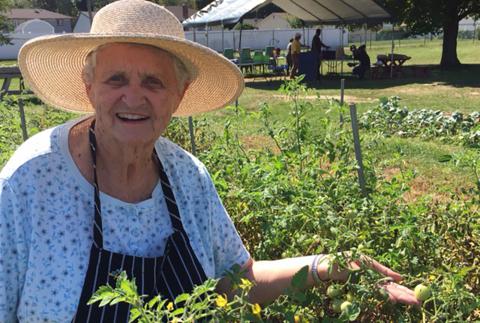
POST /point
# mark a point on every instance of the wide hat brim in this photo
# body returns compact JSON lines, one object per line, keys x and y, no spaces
{"x":52,"y":67}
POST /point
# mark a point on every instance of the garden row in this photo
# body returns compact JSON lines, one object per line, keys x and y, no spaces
{"x":300,"y":195}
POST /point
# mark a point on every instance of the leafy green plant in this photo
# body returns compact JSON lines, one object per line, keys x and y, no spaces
{"x":391,"y":119}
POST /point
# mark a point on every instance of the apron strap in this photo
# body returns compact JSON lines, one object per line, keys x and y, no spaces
{"x":169,"y":197}
{"x":97,"y":224}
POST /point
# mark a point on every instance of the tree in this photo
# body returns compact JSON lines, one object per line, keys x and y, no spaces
{"x":424,"y":16}
{"x":5,"y":26}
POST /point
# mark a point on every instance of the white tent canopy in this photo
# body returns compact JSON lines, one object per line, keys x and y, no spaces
{"x":327,"y":12}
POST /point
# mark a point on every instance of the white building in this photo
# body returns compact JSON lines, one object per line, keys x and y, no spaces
{"x":24,"y":32}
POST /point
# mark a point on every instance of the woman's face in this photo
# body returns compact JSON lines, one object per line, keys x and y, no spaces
{"x":134,"y":93}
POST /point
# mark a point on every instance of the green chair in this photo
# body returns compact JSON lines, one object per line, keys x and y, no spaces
{"x":258,"y":57}
{"x":228,"y":53}
{"x":245,"y":56}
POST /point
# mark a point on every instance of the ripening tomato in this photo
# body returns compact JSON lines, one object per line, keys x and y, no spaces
{"x":345,"y":306}
{"x":334,"y":291}
{"x":422,"y":292}
{"x":350,"y":297}
{"x":336,"y":305}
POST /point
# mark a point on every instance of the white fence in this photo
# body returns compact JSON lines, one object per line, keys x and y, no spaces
{"x":215,"y":39}
{"x":259,"y":39}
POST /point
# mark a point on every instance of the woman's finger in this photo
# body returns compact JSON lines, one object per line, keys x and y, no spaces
{"x":375,"y":265}
{"x":401,"y":294}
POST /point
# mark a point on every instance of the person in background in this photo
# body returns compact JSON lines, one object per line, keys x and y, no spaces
{"x":295,"y":50}
{"x":316,"y":50}
{"x":361,"y":55}
{"x":289,"y":54}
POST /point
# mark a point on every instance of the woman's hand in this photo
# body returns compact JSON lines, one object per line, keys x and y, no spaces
{"x":397,"y":293}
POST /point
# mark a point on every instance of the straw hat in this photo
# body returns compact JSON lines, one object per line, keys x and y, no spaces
{"x":52,"y":65}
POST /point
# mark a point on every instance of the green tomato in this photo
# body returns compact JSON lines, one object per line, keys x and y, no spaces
{"x":350,"y":297}
{"x":337,"y":305}
{"x":334,"y":291}
{"x":345,"y":306}
{"x":422,"y":292}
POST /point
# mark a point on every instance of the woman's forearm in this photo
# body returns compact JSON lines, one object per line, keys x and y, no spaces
{"x":272,"y":277}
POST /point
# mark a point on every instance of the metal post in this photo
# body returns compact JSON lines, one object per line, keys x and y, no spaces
{"x":240,"y":36}
{"x":343,"y":49}
{"x":342,"y":92}
{"x":192,"y":136}
{"x":23,"y":123}
{"x":365,"y":39}
{"x":195,"y":34}
{"x":391,"y":55}
{"x":223,"y":38}
{"x":358,"y":151}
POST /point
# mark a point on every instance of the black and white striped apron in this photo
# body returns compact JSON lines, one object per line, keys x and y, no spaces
{"x":176,"y":272}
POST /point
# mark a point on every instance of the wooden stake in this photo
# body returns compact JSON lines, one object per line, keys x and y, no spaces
{"x":23,"y":123}
{"x":358,"y":151}
{"x":192,"y":136}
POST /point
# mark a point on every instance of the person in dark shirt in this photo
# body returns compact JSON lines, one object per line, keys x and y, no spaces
{"x":316,"y":50}
{"x":360,"y":54}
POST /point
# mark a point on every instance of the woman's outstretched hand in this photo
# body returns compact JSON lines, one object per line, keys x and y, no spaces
{"x":396,"y":292}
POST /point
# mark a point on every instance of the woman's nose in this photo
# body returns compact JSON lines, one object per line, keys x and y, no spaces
{"x":133,"y":97}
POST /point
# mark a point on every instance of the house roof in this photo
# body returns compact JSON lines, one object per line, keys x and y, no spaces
{"x":34,"y":14}
{"x":178,"y":12}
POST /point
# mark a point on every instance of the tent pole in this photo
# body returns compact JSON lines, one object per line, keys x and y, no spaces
{"x":365,"y":38}
{"x":223,"y":37}
{"x":342,"y":39}
{"x":391,"y":55}
{"x":240,"y":40}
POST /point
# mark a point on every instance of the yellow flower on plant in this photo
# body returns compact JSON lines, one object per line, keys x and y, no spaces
{"x":170,"y":306}
{"x":221,"y":301}
{"x":256,"y":309}
{"x":245,"y":283}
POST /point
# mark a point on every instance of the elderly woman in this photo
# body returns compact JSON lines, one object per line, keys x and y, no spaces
{"x":106,"y":192}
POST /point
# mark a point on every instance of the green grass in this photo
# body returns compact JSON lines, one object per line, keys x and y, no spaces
{"x":8,"y":62}
{"x":443,"y":90}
